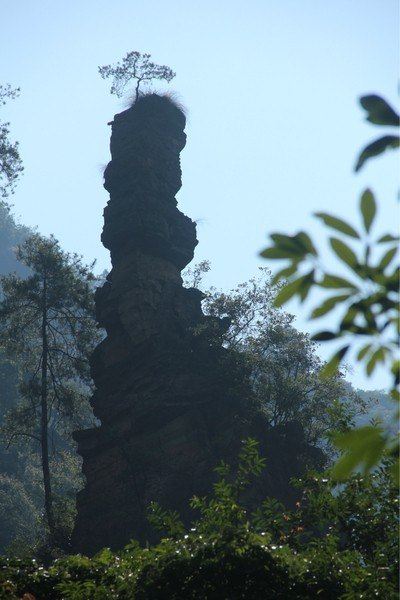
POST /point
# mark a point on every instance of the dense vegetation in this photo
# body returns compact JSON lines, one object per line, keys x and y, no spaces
{"x":283,"y":362}
{"x":338,"y":543}
{"x":22,"y":493}
{"x":340,"y":540}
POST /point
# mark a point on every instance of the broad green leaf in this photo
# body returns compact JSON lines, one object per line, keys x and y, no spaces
{"x":368,"y":315}
{"x":388,"y":238}
{"x":338,"y":224}
{"x":377,"y":356}
{"x":379,"y":111}
{"x":286,"y":242}
{"x":363,"y":449}
{"x":364,"y":350}
{"x":306,"y":285}
{"x":379,"y":277}
{"x":392,"y":280}
{"x":395,"y":369}
{"x":305,"y":240}
{"x":368,"y":208}
{"x":332,"y":366}
{"x":348,"y":319}
{"x":377,"y":147}
{"x":357,"y":329}
{"x":387,"y":258}
{"x":299,"y":245}
{"x":343,"y":251}
{"x":395,"y":394}
{"x":289,"y":290}
{"x":333,"y":281}
{"x":279,"y":253}
{"x":284,"y":273}
{"x":328,"y":305}
{"x":395,"y":321}
{"x":324,"y":336}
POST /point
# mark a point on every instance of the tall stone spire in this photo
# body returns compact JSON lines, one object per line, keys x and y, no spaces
{"x":166,"y":392}
{"x":172,"y":402}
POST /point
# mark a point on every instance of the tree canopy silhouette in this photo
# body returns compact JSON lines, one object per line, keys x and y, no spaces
{"x":135,"y":66}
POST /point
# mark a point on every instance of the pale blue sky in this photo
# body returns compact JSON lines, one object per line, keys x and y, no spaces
{"x":274,"y":127}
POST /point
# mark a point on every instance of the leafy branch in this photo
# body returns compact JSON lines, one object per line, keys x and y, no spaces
{"x":379,"y":112}
{"x":368,"y":296}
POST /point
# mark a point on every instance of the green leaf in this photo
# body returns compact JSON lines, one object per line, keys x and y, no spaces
{"x":377,"y":356}
{"x":331,"y":367}
{"x":333,"y":281}
{"x":304,"y":239}
{"x":324,"y":336}
{"x":306,"y":285}
{"x":338,"y":224}
{"x":286,"y":246}
{"x":347,"y":322}
{"x":287,"y":242}
{"x":395,"y":369}
{"x":363,"y":448}
{"x":343,"y":251}
{"x":368,"y":315}
{"x":388,"y":238}
{"x":368,"y":208}
{"x":278,"y":253}
{"x":363,"y":351}
{"x":387,"y":258}
{"x":284,"y":273}
{"x":377,"y":147}
{"x":392,"y":280}
{"x":379,"y":111}
{"x":288,"y":291}
{"x":328,"y":305}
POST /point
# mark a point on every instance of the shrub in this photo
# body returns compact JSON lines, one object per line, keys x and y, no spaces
{"x":330,"y":546}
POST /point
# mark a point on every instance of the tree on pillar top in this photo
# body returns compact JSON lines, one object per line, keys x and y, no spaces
{"x":135,"y":66}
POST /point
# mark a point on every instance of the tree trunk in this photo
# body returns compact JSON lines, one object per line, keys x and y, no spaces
{"x":44,"y":436}
{"x":137,"y":90}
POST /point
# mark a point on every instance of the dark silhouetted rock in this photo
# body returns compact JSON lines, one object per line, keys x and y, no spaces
{"x":171,"y":400}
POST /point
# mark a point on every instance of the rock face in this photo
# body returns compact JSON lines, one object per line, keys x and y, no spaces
{"x":163,"y":391}
{"x":172,"y":402}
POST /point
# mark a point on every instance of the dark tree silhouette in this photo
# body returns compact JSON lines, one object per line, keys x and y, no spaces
{"x":10,"y":160}
{"x":135,"y":66}
{"x":46,"y":321}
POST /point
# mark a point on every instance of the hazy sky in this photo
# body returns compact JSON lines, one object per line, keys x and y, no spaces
{"x":270,"y":88}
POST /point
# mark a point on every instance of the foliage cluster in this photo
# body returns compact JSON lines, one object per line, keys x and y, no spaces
{"x":285,"y":378}
{"x":367,"y":295}
{"x":134,"y":66}
{"x":283,"y":362}
{"x":10,"y":160}
{"x":337,"y":543}
{"x":47,"y":328}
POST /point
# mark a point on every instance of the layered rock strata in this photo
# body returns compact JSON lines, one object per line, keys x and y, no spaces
{"x":164,"y":391}
{"x":171,"y":400}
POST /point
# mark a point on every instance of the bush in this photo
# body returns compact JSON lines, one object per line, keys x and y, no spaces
{"x":330,"y":546}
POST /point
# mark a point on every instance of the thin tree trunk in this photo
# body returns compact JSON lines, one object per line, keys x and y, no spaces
{"x":137,"y":90}
{"x":44,"y":435}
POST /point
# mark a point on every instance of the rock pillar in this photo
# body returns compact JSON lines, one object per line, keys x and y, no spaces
{"x":167,"y":394}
